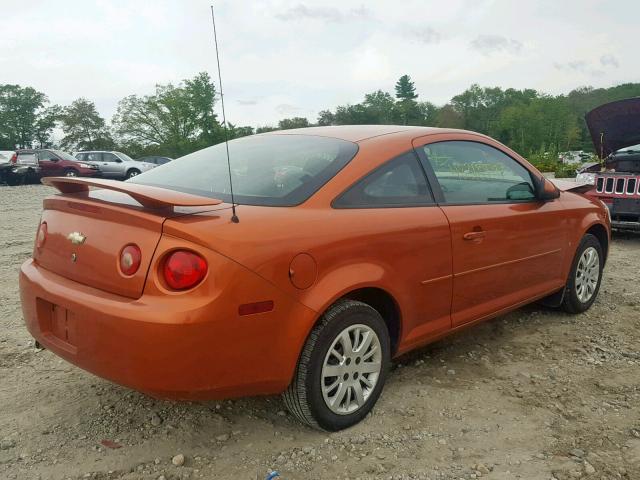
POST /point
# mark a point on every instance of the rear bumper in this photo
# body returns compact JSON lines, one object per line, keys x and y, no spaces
{"x":158,"y":346}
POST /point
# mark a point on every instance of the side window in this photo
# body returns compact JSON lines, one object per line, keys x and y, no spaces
{"x":93,"y":157}
{"x":398,"y":183}
{"x":109,"y":157}
{"x":472,"y":172}
{"x":45,"y":155}
{"x":82,"y":157}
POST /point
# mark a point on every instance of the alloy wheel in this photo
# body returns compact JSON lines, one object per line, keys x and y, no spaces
{"x":351,"y":369}
{"x":587,"y":274}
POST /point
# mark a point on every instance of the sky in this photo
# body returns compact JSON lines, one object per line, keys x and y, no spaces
{"x":285,"y":58}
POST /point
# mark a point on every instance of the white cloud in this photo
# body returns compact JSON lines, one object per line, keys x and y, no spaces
{"x":311,"y":55}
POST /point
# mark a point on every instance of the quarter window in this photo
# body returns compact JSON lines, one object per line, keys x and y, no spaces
{"x":398,"y":183}
{"x":472,"y":172}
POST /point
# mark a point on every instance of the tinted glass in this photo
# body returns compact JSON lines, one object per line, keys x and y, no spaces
{"x":45,"y":155}
{"x":109,"y":157}
{"x":275,"y":170}
{"x":400,"y":182}
{"x":471,"y":172}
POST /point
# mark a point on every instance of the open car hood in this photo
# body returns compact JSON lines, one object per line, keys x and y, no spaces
{"x":614,"y":125}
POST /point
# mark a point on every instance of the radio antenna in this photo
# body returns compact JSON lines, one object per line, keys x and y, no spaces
{"x":234,"y":217}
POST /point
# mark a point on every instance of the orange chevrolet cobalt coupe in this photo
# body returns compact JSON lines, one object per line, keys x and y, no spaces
{"x":353,"y":245}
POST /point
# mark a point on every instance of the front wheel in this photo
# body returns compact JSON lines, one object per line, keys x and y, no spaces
{"x":342,"y":368}
{"x":584,"y":280}
{"x":70,"y":172}
{"x":132,"y":173}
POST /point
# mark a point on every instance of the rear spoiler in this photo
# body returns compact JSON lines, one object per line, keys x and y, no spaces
{"x":147,"y":195}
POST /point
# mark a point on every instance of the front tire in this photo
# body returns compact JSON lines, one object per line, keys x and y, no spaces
{"x":342,"y":368}
{"x":71,"y":172}
{"x":132,"y":173}
{"x":584,"y":280}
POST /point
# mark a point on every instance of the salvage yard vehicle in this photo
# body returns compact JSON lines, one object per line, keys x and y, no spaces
{"x":56,"y":163}
{"x":615,"y":130}
{"x":339,"y":249}
{"x":22,"y":169}
{"x":116,"y":165}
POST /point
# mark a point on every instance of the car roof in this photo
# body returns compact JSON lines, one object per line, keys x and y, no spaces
{"x":358,"y":133}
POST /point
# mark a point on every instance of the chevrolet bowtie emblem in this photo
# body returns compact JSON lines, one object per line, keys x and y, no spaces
{"x":76,"y":238}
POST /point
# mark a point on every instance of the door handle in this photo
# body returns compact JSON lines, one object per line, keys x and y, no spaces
{"x":474,"y":235}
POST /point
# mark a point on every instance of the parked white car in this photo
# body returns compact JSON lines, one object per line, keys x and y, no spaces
{"x":115,"y":165}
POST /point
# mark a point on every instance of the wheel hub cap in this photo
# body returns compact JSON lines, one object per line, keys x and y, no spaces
{"x":587,"y":274}
{"x":351,"y":369}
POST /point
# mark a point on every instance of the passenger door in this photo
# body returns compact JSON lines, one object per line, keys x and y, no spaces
{"x":508,"y":246}
{"x":50,"y":164}
{"x":399,"y":225}
{"x":111,"y":166}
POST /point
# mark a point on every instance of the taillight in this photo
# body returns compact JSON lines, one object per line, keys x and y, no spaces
{"x":14,"y":158}
{"x":130,"y":259}
{"x":183,"y":269}
{"x":41,"y":236}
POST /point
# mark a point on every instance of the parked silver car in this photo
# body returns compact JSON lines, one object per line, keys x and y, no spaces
{"x":114,"y":164}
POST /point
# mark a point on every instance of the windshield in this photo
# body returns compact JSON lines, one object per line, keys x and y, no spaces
{"x":275,"y":170}
{"x":124,"y":156}
{"x":64,"y":155}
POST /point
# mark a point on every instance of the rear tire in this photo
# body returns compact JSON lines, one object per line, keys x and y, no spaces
{"x":585,"y":276}
{"x":342,"y":368}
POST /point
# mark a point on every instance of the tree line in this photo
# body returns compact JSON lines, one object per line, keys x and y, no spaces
{"x":176,"y":120}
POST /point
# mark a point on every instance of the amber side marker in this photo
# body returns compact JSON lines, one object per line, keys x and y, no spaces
{"x":257,"y":307}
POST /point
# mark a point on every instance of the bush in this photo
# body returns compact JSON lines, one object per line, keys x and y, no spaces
{"x":565,"y":171}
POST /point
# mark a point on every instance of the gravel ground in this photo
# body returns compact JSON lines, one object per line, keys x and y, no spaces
{"x":536,"y":394}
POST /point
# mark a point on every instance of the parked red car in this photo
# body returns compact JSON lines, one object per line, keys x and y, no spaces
{"x":55,"y":163}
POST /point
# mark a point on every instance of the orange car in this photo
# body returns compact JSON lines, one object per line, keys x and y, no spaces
{"x":354,"y":245}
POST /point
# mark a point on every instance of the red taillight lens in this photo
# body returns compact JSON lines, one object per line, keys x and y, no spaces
{"x":130,"y":259}
{"x":41,"y":236}
{"x":184,"y":269}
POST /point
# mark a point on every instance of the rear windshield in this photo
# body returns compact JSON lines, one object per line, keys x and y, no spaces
{"x":274,"y":170}
{"x":27,"y":158}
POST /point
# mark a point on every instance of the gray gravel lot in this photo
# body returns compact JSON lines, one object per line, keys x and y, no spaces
{"x":536,"y":394}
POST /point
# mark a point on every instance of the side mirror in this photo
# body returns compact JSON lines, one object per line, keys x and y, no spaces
{"x":118,"y":160}
{"x":546,"y":190}
{"x":54,"y":159}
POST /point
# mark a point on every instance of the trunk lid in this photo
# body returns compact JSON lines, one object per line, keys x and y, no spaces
{"x":87,"y":230}
{"x":614,"y":125}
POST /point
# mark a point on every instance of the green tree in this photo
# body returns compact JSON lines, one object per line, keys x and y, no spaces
{"x":405,"y":88}
{"x":84,"y":128}
{"x":46,"y":121}
{"x":175,"y":120}
{"x":19,"y":111}
{"x":294,"y":122}
{"x":325,"y":118}
{"x":406,"y":107}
